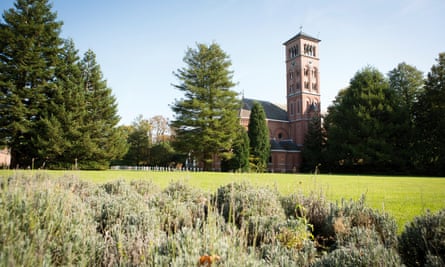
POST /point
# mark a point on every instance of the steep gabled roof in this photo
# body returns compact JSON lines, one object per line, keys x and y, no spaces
{"x":273,"y":111}
{"x":304,"y":36}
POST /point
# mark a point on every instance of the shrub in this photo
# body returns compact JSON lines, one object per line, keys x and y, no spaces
{"x":360,"y":247}
{"x":41,"y":223}
{"x":237,"y":202}
{"x":279,"y":255}
{"x":422,"y":241}
{"x":315,"y":209}
{"x":182,"y":206}
{"x":129,"y":227}
{"x":352,"y":214}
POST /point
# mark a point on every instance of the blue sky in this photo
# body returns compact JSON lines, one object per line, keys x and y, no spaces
{"x":139,"y":43}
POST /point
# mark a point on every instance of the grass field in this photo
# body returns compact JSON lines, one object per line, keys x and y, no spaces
{"x":402,"y":197}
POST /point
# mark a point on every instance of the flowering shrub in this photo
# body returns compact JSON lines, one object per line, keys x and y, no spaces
{"x":422,"y":242}
{"x":66,"y":221}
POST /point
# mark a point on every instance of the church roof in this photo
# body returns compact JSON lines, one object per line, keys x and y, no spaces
{"x":273,"y":111}
{"x":287,"y":145}
{"x":302,"y":35}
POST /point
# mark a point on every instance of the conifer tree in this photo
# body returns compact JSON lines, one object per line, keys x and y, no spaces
{"x":103,"y":139}
{"x":360,"y":125}
{"x":430,"y":121}
{"x":206,"y":118}
{"x":407,"y":83}
{"x":29,"y":49}
{"x":314,"y":146}
{"x":240,"y":159}
{"x":258,"y":133}
{"x":62,"y":128}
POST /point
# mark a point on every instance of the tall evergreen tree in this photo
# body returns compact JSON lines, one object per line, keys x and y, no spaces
{"x":407,"y":83}
{"x":360,"y":125}
{"x":62,"y":126}
{"x":430,"y":121}
{"x":206,"y":118}
{"x":103,"y":138}
{"x":29,"y":49}
{"x":240,"y":159}
{"x":258,"y":133}
{"x":314,"y":146}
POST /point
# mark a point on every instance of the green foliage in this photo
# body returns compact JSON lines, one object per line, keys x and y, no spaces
{"x":407,"y":83}
{"x":240,"y":159}
{"x":29,"y":49}
{"x":430,"y":122}
{"x":258,"y":133}
{"x":162,"y":154}
{"x":314,"y":146}
{"x":206,"y":118}
{"x":104,"y":139}
{"x":139,"y":143}
{"x":422,"y":241}
{"x":66,"y":221}
{"x":57,"y":111}
{"x":360,"y":125}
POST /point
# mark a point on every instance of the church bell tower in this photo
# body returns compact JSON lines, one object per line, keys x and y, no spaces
{"x":302,"y":83}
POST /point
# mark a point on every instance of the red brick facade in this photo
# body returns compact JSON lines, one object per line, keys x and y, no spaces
{"x":288,"y":125}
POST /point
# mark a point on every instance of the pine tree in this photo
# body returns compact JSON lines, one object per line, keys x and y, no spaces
{"x":258,"y":133}
{"x":430,"y":121}
{"x":206,"y":118}
{"x":61,"y":128}
{"x":104,"y":140}
{"x":29,"y":49}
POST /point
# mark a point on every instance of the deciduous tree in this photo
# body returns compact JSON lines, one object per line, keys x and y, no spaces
{"x":139,"y":140}
{"x":160,"y":130}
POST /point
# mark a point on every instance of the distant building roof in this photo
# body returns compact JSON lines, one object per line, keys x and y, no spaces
{"x":273,"y":111}
{"x":287,"y":145}
{"x":302,"y":34}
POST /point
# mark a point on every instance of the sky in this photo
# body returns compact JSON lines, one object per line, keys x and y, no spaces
{"x":140,"y":43}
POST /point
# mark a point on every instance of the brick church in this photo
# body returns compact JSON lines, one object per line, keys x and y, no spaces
{"x":288,"y":124}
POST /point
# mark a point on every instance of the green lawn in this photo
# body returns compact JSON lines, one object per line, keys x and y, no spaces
{"x":402,"y":197}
